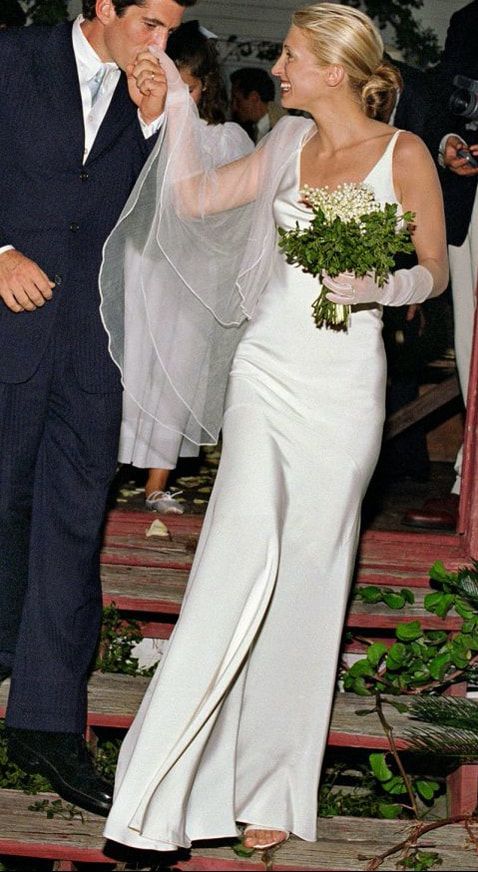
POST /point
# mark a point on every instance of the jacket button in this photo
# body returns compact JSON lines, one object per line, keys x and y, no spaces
{"x":57,"y":279}
{"x":84,"y":175}
{"x":74,"y":226}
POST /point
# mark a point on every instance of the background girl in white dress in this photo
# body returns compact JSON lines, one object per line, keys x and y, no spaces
{"x":234,"y":724}
{"x":144,"y":442}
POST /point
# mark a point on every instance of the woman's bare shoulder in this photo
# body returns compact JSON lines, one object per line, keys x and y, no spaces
{"x":409,"y":147}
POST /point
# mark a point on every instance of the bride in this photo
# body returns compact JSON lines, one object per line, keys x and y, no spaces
{"x":233,"y":727}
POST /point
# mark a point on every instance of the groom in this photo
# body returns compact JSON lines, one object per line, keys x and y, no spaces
{"x":80,"y":106}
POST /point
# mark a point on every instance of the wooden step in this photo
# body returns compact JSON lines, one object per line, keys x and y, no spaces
{"x":114,"y":699}
{"x":158,"y":590}
{"x":391,"y":558}
{"x":343,"y":843}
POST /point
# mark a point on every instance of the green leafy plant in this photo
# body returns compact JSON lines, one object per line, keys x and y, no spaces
{"x":393,"y":598}
{"x":419,"y":860}
{"x":47,"y":11}
{"x":371,"y":791}
{"x":13,"y":778}
{"x":55,"y":808}
{"x":423,"y":662}
{"x":395,"y":784}
{"x":118,"y":638}
{"x":418,"y":44}
{"x":106,"y":758}
{"x":424,"y":659}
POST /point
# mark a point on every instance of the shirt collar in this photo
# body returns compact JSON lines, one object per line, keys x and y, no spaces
{"x":87,"y":60}
{"x":263,"y":125}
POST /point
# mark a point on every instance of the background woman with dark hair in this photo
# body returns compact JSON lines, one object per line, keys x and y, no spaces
{"x":197,"y":60}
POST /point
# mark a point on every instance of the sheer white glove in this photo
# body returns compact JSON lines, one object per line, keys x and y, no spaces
{"x":402,"y":288}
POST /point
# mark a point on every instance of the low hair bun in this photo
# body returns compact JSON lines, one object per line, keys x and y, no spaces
{"x":379,"y":93}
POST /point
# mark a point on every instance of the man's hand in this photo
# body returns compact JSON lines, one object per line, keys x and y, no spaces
{"x":456,"y":164}
{"x":147,"y":86}
{"x":23,"y":285}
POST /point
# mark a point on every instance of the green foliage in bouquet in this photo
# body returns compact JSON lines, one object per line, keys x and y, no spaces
{"x":349,"y":232}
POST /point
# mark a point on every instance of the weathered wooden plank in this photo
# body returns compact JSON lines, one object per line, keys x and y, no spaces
{"x":31,"y":834}
{"x":160,"y":590}
{"x":176,"y":524}
{"x":434,"y":398}
{"x":114,"y":699}
{"x":342,"y":843}
{"x":152,"y":589}
{"x":131,"y":551}
{"x":410,"y":552}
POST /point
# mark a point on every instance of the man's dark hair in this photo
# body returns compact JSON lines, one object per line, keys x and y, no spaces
{"x":11,"y":14}
{"x":249,"y":79}
{"x":120,"y":6}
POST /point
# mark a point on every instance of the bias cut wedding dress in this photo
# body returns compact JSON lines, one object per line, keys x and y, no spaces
{"x":234,"y":724}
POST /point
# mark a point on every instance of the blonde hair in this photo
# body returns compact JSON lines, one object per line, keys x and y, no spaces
{"x":343,"y":35}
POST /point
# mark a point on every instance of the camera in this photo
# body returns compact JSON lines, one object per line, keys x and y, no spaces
{"x":464,"y":99}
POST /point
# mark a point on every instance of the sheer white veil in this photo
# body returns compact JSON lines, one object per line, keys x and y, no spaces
{"x":186,"y":263}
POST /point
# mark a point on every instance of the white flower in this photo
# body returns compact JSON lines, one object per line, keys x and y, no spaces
{"x":348,"y":201}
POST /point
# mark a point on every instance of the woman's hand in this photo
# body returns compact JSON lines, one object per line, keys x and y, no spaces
{"x":403,"y":287}
{"x":147,"y":86}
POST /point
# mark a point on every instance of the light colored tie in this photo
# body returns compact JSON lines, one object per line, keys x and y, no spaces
{"x":95,"y":83}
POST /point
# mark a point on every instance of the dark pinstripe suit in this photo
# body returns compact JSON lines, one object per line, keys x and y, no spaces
{"x":460,"y":57}
{"x":60,"y":395}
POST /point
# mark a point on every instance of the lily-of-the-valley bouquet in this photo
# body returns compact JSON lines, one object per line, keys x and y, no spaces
{"x":349,"y":232}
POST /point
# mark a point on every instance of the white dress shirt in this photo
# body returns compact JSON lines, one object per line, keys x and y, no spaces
{"x":88,"y":64}
{"x":263,"y":126}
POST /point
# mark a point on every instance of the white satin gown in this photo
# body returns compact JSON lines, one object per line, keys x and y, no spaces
{"x":234,"y":724}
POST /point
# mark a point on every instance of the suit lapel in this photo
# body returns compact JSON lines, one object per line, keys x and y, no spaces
{"x":121,"y":112}
{"x":57,"y":76}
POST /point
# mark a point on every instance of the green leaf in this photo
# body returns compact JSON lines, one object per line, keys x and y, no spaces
{"x":464,"y":610}
{"x":370,"y":594}
{"x":361,"y":668}
{"x":439,"y":666}
{"x":379,"y":767}
{"x":408,"y":595}
{"x":425,"y":789}
{"x":241,"y":851}
{"x":395,"y":786}
{"x":376,"y":652}
{"x":439,"y":573}
{"x":439,"y":603}
{"x":394,"y":600}
{"x":388,"y":810}
{"x":409,"y":632}
{"x":359,"y":687}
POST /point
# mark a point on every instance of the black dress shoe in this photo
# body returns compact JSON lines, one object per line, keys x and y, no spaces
{"x":65,"y":761}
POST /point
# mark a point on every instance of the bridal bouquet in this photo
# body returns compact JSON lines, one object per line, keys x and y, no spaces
{"x":349,"y":232}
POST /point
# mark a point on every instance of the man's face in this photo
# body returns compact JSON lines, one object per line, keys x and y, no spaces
{"x":246,"y":109}
{"x":138,"y":28}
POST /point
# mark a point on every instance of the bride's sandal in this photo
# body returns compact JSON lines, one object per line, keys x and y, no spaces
{"x":263,"y":846}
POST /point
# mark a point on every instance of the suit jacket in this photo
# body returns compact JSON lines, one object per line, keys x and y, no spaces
{"x":55,"y":209}
{"x":460,"y":57}
{"x":415,"y":101}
